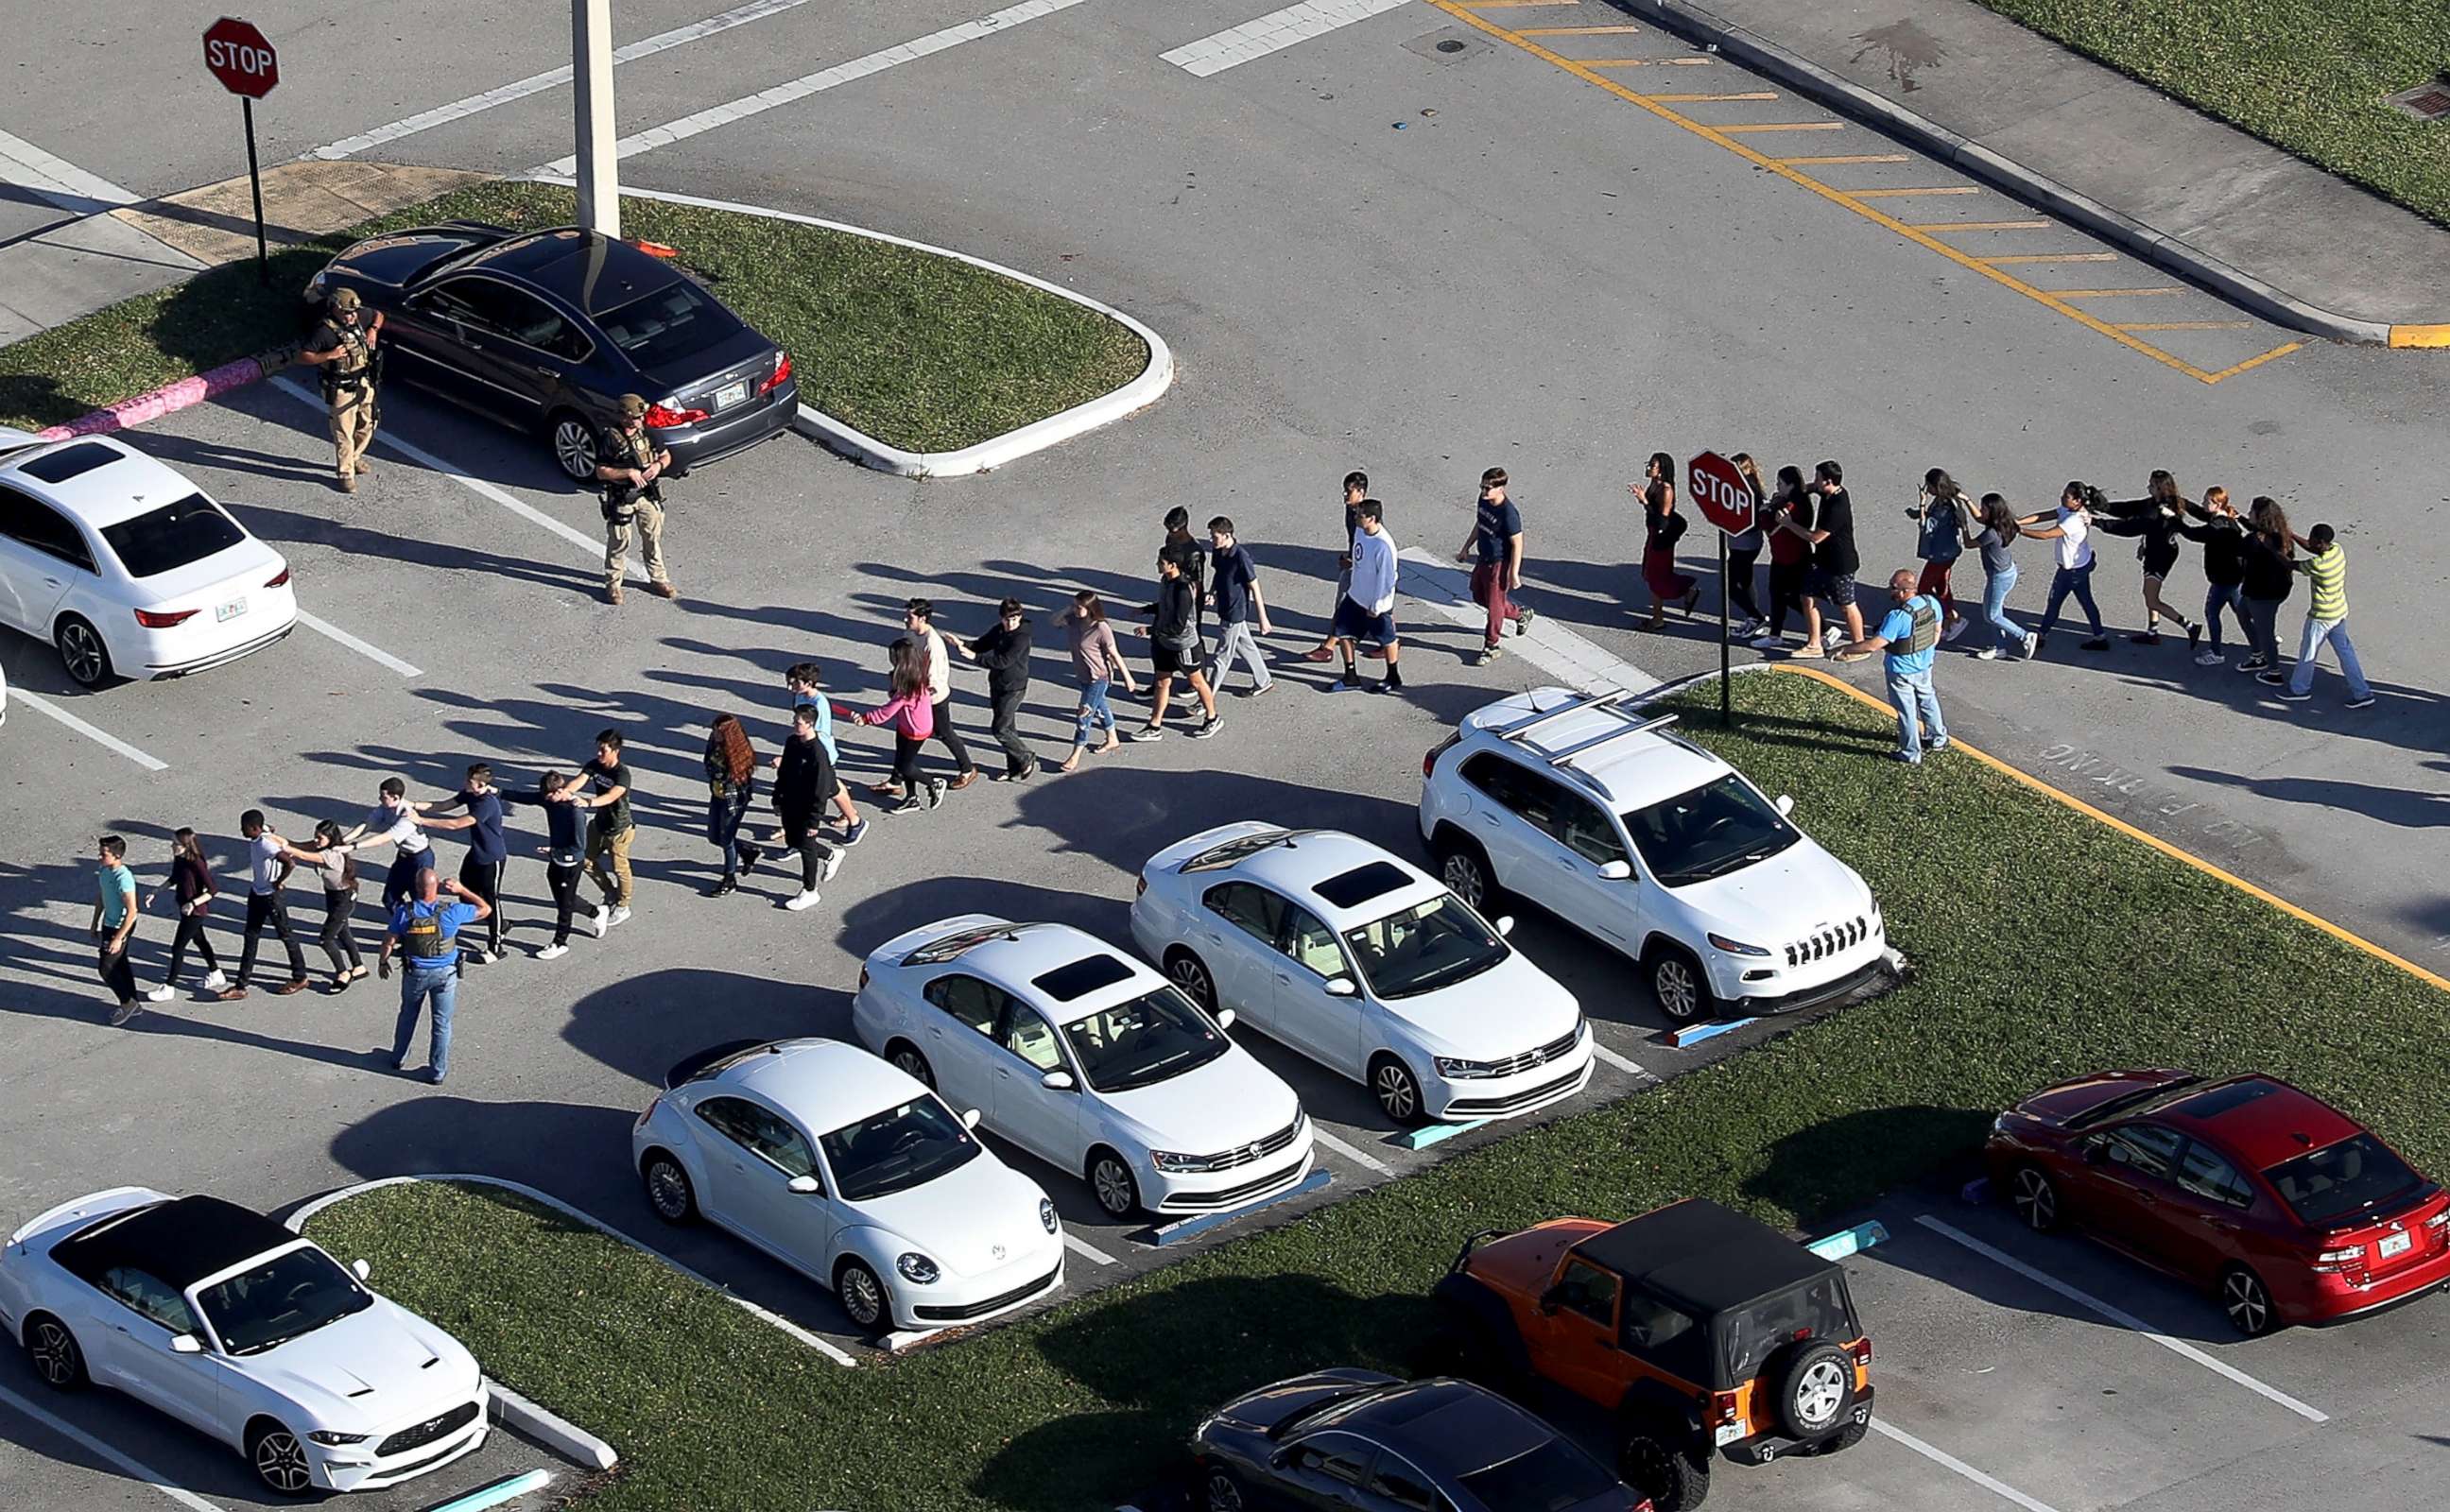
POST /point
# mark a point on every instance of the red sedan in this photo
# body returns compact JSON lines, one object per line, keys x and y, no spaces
{"x":2292,"y":1210}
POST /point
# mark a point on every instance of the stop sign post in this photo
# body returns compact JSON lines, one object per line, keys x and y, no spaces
{"x":1725,"y":499}
{"x":243,"y":58}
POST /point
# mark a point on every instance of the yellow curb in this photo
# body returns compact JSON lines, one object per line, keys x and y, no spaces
{"x":2131,"y":832}
{"x":2434,"y":335}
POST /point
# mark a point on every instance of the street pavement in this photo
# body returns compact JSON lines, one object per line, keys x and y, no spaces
{"x":1534,"y":272}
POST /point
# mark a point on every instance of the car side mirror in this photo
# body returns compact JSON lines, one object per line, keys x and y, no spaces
{"x":1506,"y":924}
{"x":1224,"y":1018}
{"x":2097,"y":1152}
{"x":360,"y":1270}
{"x":1615,"y":870}
{"x":187,"y":1344}
{"x":1279,"y":1459}
{"x":1057,"y":1081}
{"x":1785,"y":805}
{"x":970,"y":1118}
{"x":1340,"y":987}
{"x":805,"y":1187}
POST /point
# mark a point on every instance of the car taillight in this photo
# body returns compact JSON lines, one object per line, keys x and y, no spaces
{"x":663,"y":417}
{"x":650,"y":1111}
{"x":1861,"y":1350}
{"x":164,"y":619}
{"x":2439,"y":1220}
{"x":655,"y":249}
{"x":278,"y":579}
{"x":2341,"y":1258}
{"x":863,"y":978}
{"x":782,"y":372}
{"x":1140,"y":890}
{"x":1437,"y":750}
{"x":1725,"y":1408}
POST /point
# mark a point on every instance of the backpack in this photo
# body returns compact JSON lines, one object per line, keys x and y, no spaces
{"x":1926,"y":615}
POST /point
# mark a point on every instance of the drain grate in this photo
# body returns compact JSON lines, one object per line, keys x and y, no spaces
{"x":1448,"y":45}
{"x":2427,"y":101}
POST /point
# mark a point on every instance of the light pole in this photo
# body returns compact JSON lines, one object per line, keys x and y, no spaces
{"x":590,"y":58}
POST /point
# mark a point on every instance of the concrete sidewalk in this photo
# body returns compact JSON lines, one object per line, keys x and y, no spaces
{"x":2121,"y":159}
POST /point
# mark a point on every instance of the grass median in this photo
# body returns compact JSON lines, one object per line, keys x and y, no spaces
{"x":922,"y":352}
{"x":2045,"y":944}
{"x":2309,"y":76}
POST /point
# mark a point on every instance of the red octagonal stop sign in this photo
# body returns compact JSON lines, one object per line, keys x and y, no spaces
{"x":241,"y":58}
{"x":1720,"y":493}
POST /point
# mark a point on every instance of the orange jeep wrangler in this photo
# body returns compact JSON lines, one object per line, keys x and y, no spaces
{"x":1702,"y":1330}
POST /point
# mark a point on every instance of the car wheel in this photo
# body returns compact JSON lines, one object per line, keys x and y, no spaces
{"x":573,"y":446}
{"x":1463,"y":867}
{"x":1814,"y":1390}
{"x":1190,"y":973}
{"x":280,"y":1460}
{"x":1111,"y":1180}
{"x":668,"y":1189}
{"x":905,"y":1058}
{"x":1679,"y":986}
{"x":2248,"y":1301}
{"x":1673,"y":1479}
{"x":1223,"y":1492}
{"x":1397,"y":1091}
{"x":2035,"y":1198}
{"x":55,"y":1354}
{"x":82,"y":652}
{"x":862,"y":1297}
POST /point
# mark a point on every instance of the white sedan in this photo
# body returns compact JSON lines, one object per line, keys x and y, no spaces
{"x":244,"y":1332}
{"x":1087,"y":1059}
{"x":1364,"y":963}
{"x":850,"y":1172}
{"x":126,"y":567}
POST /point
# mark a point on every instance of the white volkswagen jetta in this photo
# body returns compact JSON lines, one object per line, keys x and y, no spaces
{"x":247,"y":1332}
{"x":849,"y":1171}
{"x":126,"y":567}
{"x":1087,"y":1059}
{"x":1364,"y":963}
{"x":1653,"y":847}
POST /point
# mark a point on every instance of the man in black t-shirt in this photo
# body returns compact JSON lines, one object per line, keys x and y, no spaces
{"x":1239,"y":602}
{"x":609,"y":833}
{"x":1834,"y":561}
{"x":1356,"y":487}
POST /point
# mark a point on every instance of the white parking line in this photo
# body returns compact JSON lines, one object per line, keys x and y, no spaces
{"x":1359,"y":1157}
{"x":44,"y":705}
{"x":1272,"y":32}
{"x":1088,"y":1250}
{"x":551,"y":78}
{"x":1620,"y":1062}
{"x":135,"y":1470}
{"x":372,"y":653}
{"x":2123,"y":1318}
{"x":1948,"y":1461}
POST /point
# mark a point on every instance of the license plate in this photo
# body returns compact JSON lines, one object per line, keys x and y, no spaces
{"x":1729,"y":1433}
{"x":2395,"y":1244}
{"x":731,"y":394}
{"x":230,"y":610}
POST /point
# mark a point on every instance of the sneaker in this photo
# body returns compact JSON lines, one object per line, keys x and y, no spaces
{"x":2032,"y":644}
{"x":1832,"y":637}
{"x":2361,"y":701}
{"x":1690,"y":599}
{"x":1988,"y":653}
{"x":2195,"y":642}
{"x":161,"y":993}
{"x":295,"y":984}
{"x":214,"y":980}
{"x":1484,"y":657}
{"x":886,"y":790}
{"x":1386,"y":684}
{"x":832,"y":863}
{"x":1808,"y":654}
{"x":340,"y":982}
{"x":723,"y":888}
{"x":804,"y":901}
{"x":958,"y":783}
{"x":1523,"y":620}
{"x":1252,"y":692}
{"x":125,"y":1011}
{"x":1904,"y":760}
{"x":620,"y":915}
{"x":2252,"y":664}
{"x":1952,"y":629}
{"x":2209,"y":659}
{"x":552,"y":952}
{"x":1148,"y":733}
{"x":2270,"y":677}
{"x":2290,"y":695}
{"x":855,"y":833}
{"x":433,"y":1078}
{"x":908,"y":805}
{"x":1207,"y":726}
{"x":1344,"y":684}
{"x":1767,"y":642}
{"x":2146,"y":638}
{"x":935,"y":790}
{"x":2099,"y":643}
{"x":1938,"y":745}
{"x":601,"y":920}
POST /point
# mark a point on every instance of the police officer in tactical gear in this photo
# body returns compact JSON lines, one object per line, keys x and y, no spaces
{"x":632,"y":468}
{"x":343,"y":348}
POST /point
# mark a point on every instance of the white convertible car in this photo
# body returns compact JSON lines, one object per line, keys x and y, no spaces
{"x":228,"y":1322}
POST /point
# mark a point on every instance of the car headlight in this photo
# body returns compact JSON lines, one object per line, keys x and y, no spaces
{"x":1463,"y":1069}
{"x":1735,"y":948}
{"x":1172,"y":1163}
{"x":1046,"y":1215}
{"x":333,"y":1441}
{"x":917,"y":1269}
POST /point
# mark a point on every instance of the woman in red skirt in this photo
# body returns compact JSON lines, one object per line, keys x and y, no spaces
{"x":1662,"y":528}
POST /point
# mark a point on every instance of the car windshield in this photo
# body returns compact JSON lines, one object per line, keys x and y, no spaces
{"x":1429,"y":945}
{"x":1551,"y":1477}
{"x":166,"y":539}
{"x":1147,"y":1039}
{"x":2338,"y":1183}
{"x":667,"y":324}
{"x":1707,"y":832}
{"x":294,"y":1292}
{"x":896,"y":1150}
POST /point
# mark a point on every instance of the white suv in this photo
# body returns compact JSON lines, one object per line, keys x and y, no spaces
{"x":1654,"y":847}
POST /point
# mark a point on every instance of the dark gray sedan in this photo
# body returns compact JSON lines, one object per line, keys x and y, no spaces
{"x":1369,"y":1443}
{"x":546,"y":330}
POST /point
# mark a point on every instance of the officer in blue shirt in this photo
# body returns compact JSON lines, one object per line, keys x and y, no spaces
{"x":1909,"y":635}
{"x":425,"y":930}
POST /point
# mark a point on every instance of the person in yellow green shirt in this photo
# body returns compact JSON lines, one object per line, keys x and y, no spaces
{"x":2325,"y":565}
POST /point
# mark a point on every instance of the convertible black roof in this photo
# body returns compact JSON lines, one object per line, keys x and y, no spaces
{"x":1706,"y":1258}
{"x":178,"y":1242}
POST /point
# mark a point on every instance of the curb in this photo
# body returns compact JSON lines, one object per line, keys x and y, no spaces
{"x":171,"y":398}
{"x":839,"y":436}
{"x":559,"y":1434}
{"x":1763,"y":56}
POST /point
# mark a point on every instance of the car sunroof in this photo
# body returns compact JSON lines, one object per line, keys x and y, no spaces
{"x":1081,"y":977}
{"x":1352,"y":889}
{"x":67,"y":462}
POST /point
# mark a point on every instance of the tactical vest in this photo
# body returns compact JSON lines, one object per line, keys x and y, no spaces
{"x":1926,"y":625}
{"x":620,"y":494}
{"x":349,"y":368}
{"x":642,"y":449}
{"x":426,"y":937}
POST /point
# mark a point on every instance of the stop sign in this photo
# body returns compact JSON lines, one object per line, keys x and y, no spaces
{"x":241,"y":58}
{"x":1720,"y":493}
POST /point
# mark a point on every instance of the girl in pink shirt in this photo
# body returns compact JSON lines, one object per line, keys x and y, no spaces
{"x":912,"y":717}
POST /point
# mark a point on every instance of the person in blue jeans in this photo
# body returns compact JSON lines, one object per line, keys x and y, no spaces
{"x":1908,"y":633}
{"x":425,"y":930}
{"x":2072,"y":527}
{"x":1992,"y":532}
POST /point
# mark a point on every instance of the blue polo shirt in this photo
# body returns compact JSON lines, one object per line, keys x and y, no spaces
{"x":428,"y":932}
{"x":486,"y":847}
{"x":1897,"y":629}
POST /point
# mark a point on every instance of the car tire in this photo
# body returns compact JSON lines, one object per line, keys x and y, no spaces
{"x":1185,"y":969}
{"x":1814,"y":1390}
{"x":55,"y":1353}
{"x":905,"y":1057}
{"x":2248,"y":1301}
{"x":1674,"y":1480}
{"x":1398,"y":1092}
{"x":1463,"y":867}
{"x":668,"y":1191}
{"x":280,"y":1459}
{"x":83,"y":655}
{"x":2035,"y":1198}
{"x":863,"y":1296}
{"x":1112,"y":1183}
{"x":574,"y":445}
{"x":1678,"y":984}
{"x":1221,"y":1490}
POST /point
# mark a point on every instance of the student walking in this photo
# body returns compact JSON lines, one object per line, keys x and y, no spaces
{"x":268,"y":866}
{"x":337,"y":866}
{"x":2271,"y":574}
{"x":611,"y":831}
{"x":2072,"y":527}
{"x":2157,"y":519}
{"x":1909,"y":635}
{"x":565,"y":852}
{"x":919,"y":622}
{"x":1744,"y":550}
{"x":910,"y":715}
{"x":1234,"y":590}
{"x":1835,"y":561}
{"x":489,"y":854}
{"x":1998,"y":531}
{"x":1356,"y":487}
{"x":730,"y":782}
{"x":392,"y":822}
{"x":1495,"y":550}
{"x":114,"y":919}
{"x":1173,"y":648}
{"x":425,"y":930}
{"x":802,"y":782}
{"x":2223,"y":538}
{"x":1368,"y":609}
{"x":1004,"y":652}
{"x":805,"y":681}
{"x":2325,"y":566}
{"x":1662,"y":528}
{"x":1097,"y":662}
{"x":1788,"y":528}
{"x":1939,"y":524}
{"x":191,"y":892}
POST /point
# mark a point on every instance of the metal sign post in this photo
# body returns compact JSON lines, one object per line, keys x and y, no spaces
{"x":1726,"y":673}
{"x":255,"y":183}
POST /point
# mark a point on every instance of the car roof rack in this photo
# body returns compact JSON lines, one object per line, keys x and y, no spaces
{"x":1642,"y":726}
{"x":1611,"y":700}
{"x":1522,"y":727}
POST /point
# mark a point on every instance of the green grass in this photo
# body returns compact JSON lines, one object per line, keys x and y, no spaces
{"x":2306,"y":76}
{"x":2046,"y":944}
{"x":922,"y":352}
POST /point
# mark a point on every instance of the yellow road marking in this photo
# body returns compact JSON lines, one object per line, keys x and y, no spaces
{"x":1514,"y":5}
{"x":2188,"y":325}
{"x":1958,"y":743}
{"x":1935,"y":227}
{"x":2054,"y":256}
{"x":1575,"y":31}
{"x":2420,"y":336}
{"x":1757,"y":94}
{"x":1853,"y":157}
{"x":1785,"y":126}
{"x":1900,"y":194}
{"x":2113,"y":294}
{"x":1628,"y":62}
{"x":2282,"y":350}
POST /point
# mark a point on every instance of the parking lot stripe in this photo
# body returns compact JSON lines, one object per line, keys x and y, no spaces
{"x":1852,"y":157}
{"x":1948,"y":1461}
{"x":2282,"y":350}
{"x":44,"y":705}
{"x":56,"y":179}
{"x":1936,"y":227}
{"x":1621,"y":1063}
{"x":2023,"y":257}
{"x":1088,"y":1250}
{"x":2120,"y":1316}
{"x":2111,"y":294}
{"x":1689,"y":99}
{"x":1358,"y":1156}
{"x":1272,"y":32}
{"x":1641,"y":63}
{"x":2188,"y":325}
{"x":1574,"y":32}
{"x":135,"y":1470}
{"x":1785,"y":126}
{"x":371,"y":653}
{"x":1907,"y":194}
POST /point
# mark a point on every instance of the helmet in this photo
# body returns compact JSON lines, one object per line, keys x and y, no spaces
{"x":345,"y":299}
{"x":632,"y":407}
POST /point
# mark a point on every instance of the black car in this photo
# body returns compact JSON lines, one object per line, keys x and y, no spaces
{"x":546,"y":330}
{"x":1354,"y":1439}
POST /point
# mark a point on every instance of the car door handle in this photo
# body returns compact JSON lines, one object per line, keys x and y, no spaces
{"x":1487,"y":821}
{"x":1285,"y":977}
{"x":121,"y":1328}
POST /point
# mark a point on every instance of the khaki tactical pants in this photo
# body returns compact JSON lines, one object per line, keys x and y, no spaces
{"x":608,"y":862}
{"x":648,"y":521}
{"x":352,"y":426}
